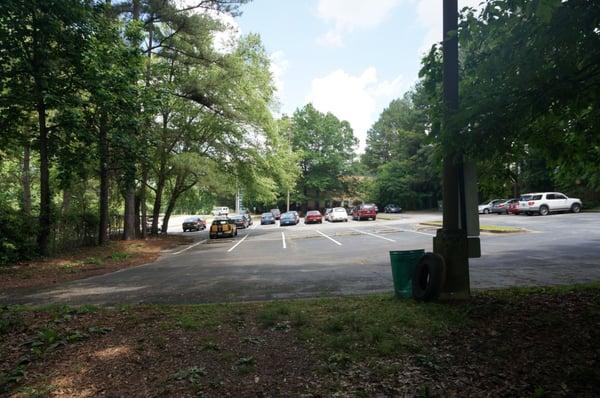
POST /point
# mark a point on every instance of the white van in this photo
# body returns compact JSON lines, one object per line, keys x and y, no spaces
{"x":220,"y":211}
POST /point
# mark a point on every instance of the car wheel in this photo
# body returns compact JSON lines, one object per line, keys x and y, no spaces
{"x":486,"y":211}
{"x":575,"y":208}
{"x":544,"y":210}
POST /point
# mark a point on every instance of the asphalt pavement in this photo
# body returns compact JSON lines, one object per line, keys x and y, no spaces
{"x":272,"y":262}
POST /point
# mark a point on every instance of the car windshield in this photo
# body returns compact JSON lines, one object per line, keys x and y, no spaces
{"x":339,"y":210}
{"x":368,"y":207}
{"x":221,"y":222}
{"x":191,"y":219}
{"x":313,"y":213}
{"x":287,"y":215}
{"x":267,"y":215}
{"x":236,"y":217}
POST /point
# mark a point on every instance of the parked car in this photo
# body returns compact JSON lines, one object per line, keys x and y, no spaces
{"x":499,"y":207}
{"x":149,"y":223}
{"x":503,"y":207}
{"x":338,"y":214}
{"x":194,"y":223}
{"x":313,"y":216}
{"x":326,"y":213}
{"x":486,"y":208}
{"x":267,"y":218}
{"x":240,"y":220}
{"x":220,"y":211}
{"x":364,"y":212}
{"x":513,"y":207}
{"x":391,"y":208}
{"x":276,"y":213}
{"x":248,"y":216}
{"x":222,"y":226}
{"x":287,"y":218}
{"x":545,"y":203}
{"x":296,"y":215}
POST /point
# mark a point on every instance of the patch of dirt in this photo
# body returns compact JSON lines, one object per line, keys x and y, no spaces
{"x":541,"y":345}
{"x":538,"y":344}
{"x":84,"y":262}
{"x":146,"y":355}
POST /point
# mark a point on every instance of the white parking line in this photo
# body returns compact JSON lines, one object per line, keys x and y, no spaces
{"x":189,"y":247}
{"x":283,"y":239}
{"x":374,"y":235}
{"x":410,"y":230}
{"x":236,"y":245}
{"x":331,"y":239}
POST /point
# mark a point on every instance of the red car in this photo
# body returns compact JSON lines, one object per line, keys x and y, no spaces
{"x":513,"y":207}
{"x":364,"y":212}
{"x":313,"y":216}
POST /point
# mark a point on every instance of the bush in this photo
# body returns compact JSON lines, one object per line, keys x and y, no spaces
{"x":17,"y":236}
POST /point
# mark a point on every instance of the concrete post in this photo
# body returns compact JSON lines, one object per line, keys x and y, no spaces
{"x":451,"y":242}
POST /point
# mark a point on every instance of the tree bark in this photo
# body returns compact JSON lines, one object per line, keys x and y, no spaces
{"x":45,"y":198}
{"x":26,"y":181}
{"x":137,"y":215}
{"x":129,"y":216}
{"x":143,"y":207}
{"x":104,"y":183}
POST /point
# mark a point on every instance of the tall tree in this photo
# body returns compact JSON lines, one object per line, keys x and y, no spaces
{"x":43,"y":41}
{"x":326,"y":149}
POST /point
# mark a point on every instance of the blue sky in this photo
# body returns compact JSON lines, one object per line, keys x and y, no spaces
{"x":349,"y":57}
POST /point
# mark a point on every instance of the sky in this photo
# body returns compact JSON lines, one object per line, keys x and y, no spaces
{"x":348,"y":57}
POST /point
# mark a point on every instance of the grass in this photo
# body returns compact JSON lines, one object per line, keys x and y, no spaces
{"x":390,"y":339}
{"x":356,"y":328}
{"x":482,"y":228}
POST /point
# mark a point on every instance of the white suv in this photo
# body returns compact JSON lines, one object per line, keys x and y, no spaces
{"x":545,"y":203}
{"x":220,"y":211}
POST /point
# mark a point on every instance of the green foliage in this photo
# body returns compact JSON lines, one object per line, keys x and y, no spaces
{"x":529,"y":90}
{"x":325,"y":146}
{"x":17,"y":236}
{"x":401,"y":156}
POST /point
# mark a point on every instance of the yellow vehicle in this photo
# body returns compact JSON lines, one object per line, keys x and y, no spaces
{"x":222,"y":226}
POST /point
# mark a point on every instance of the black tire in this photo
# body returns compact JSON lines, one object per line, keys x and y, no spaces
{"x":429,"y":277}
{"x":575,"y":208}
{"x":544,"y":211}
{"x":486,"y":211}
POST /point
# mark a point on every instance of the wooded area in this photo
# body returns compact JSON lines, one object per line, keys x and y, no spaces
{"x":115,"y":113}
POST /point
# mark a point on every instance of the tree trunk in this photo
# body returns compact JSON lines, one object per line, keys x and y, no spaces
{"x":45,"y":198}
{"x":137,"y":215}
{"x":160,"y":186}
{"x":26,"y":181}
{"x":129,"y":217}
{"x":318,"y":199}
{"x":104,"y":183}
{"x":143,"y":208}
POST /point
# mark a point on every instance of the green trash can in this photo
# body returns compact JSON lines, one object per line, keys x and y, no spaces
{"x":403,"y":267}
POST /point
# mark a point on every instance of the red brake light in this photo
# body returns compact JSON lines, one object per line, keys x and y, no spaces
{"x":531,"y":203}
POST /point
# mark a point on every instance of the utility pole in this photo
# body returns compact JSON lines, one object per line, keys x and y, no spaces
{"x":459,"y":237}
{"x":288,"y":200}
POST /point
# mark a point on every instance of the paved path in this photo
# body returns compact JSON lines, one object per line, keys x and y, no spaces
{"x":268,"y":262}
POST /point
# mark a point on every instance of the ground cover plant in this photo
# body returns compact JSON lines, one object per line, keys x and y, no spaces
{"x":516,"y":342}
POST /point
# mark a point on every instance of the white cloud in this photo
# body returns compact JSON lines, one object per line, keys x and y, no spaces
{"x":429,"y":15}
{"x":279,"y":65}
{"x":357,"y":99}
{"x":350,"y":15}
{"x":224,"y":40}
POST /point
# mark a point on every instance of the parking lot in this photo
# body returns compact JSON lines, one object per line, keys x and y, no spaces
{"x":267,"y":262}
